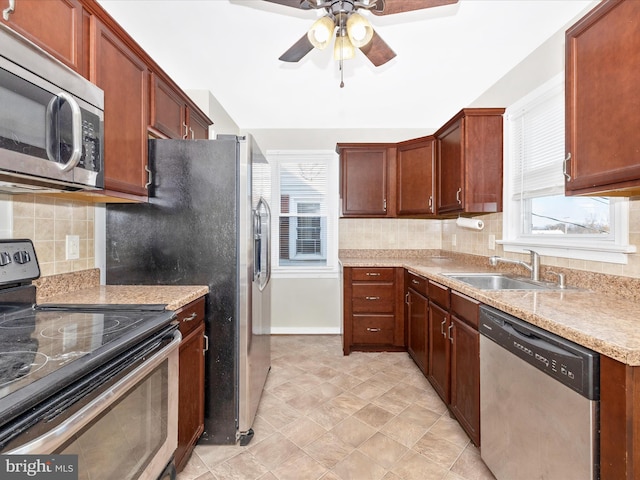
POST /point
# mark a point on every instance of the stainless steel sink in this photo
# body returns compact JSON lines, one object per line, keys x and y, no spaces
{"x":493,"y":281}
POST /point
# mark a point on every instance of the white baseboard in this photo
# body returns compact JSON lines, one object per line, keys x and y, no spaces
{"x":305,"y":331}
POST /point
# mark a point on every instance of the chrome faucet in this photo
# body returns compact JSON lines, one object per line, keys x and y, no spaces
{"x":533,"y":267}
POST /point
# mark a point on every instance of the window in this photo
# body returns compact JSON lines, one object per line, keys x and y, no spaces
{"x":537,"y":214}
{"x":306,"y":184}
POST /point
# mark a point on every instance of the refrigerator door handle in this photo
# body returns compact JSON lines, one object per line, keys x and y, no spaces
{"x":262,"y":244}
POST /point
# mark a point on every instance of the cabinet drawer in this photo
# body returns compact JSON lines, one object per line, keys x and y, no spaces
{"x":373,"y":274}
{"x":374,"y":298}
{"x":190,"y":316}
{"x":373,"y":329}
{"x":439,"y":294}
{"x":418,"y":283}
{"x":465,"y":308}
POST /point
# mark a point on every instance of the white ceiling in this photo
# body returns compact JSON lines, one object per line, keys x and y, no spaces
{"x":446,"y":58}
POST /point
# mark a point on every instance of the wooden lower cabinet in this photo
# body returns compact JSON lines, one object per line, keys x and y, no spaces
{"x":191,"y":380}
{"x":417,"y":314}
{"x":439,"y":351}
{"x":373,"y":315}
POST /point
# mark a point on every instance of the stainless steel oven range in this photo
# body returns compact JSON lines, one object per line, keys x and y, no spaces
{"x":96,"y":381}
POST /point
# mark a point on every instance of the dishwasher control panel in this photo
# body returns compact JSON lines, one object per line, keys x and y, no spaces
{"x":571,"y":364}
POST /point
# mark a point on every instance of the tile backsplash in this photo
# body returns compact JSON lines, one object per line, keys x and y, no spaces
{"x":47,"y":220}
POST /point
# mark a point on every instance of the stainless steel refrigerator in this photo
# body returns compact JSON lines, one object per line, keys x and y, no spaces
{"x":207,"y":222}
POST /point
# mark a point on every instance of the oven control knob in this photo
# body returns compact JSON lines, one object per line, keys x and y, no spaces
{"x":5,"y":259}
{"x":22,"y":256}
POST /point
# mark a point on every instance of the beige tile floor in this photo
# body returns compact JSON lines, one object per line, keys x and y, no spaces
{"x":366,"y":416}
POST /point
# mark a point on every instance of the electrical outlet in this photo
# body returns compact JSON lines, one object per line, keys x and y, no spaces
{"x":492,"y":242}
{"x":453,"y":240}
{"x":73,"y":247}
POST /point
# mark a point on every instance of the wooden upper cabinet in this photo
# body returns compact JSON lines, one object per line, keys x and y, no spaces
{"x":469,"y":162}
{"x":124,"y":77}
{"x":172,"y":115}
{"x":602,"y":101}
{"x":55,"y":25}
{"x":416,"y":179}
{"x":367,"y":179}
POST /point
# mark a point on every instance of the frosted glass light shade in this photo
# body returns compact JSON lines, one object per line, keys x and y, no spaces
{"x":359,"y":30}
{"x":343,"y":48}
{"x":321,"y":32}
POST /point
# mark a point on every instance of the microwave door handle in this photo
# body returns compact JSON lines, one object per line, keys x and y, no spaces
{"x":76,"y":129}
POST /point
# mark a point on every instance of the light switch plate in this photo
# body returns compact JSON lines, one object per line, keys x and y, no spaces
{"x":492,"y":242}
{"x":73,"y":247}
{"x":454,"y":240}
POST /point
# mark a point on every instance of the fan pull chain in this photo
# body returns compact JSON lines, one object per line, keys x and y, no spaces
{"x":341,"y":74}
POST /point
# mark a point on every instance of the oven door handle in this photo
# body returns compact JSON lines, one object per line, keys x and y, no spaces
{"x":57,"y":436}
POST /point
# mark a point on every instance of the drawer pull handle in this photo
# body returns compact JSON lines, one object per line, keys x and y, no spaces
{"x":372,"y":298}
{"x":374,"y":330}
{"x":373,"y":274}
{"x":415,"y":282}
{"x":193,"y":316}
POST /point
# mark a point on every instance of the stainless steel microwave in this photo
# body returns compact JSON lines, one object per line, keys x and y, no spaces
{"x":51,"y":122}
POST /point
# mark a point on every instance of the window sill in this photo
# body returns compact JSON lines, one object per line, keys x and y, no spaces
{"x":302,"y":272}
{"x":597,"y":252}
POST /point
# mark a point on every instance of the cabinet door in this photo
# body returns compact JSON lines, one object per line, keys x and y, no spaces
{"x":55,"y":25}
{"x":198,"y":125}
{"x":365,"y":182}
{"x":168,"y":110}
{"x":602,"y":107}
{"x":449,"y":161}
{"x":439,"y":346}
{"x":191,"y":394}
{"x":417,"y":317}
{"x":124,"y":78}
{"x":465,"y":377}
{"x":415,"y":167}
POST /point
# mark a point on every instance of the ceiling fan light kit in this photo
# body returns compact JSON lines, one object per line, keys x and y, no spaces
{"x":353,"y":30}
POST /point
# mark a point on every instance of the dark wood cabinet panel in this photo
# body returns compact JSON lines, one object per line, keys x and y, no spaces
{"x":123,"y":76}
{"x":373,"y":313}
{"x":198,"y":125}
{"x":602,"y":103}
{"x":55,"y":25}
{"x":439,"y":351}
{"x":367,"y":180}
{"x":469,"y":162}
{"x":416,"y":177}
{"x":418,"y":328}
{"x":465,"y":377}
{"x":191,"y":380}
{"x":168,"y":109}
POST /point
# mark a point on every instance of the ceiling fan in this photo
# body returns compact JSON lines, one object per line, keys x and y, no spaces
{"x":352,"y":30}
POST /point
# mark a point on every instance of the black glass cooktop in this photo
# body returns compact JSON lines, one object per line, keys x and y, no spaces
{"x":43,"y":349}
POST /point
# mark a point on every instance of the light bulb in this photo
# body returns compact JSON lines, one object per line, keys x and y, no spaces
{"x":359,"y":30}
{"x":321,"y":32}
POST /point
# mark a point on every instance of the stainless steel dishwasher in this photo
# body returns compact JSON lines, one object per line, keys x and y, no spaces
{"x":538,"y":402}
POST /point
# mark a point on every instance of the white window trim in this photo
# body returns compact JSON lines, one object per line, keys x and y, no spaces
{"x":331,"y":270}
{"x":612,"y":251}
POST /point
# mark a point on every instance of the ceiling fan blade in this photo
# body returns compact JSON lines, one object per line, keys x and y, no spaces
{"x":377,"y":51}
{"x":398,"y":6}
{"x":302,"y":4}
{"x":297,"y":50}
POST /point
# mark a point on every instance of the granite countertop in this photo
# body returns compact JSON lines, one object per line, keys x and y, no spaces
{"x":608,"y":324}
{"x":174,"y":296}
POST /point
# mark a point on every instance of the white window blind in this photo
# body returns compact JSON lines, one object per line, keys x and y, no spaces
{"x":537,"y":143}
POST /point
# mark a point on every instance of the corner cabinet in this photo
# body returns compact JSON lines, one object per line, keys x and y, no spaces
{"x":373,"y":309}
{"x":416,"y":177}
{"x":367,"y":179}
{"x":191,"y":380}
{"x":469,"y":162}
{"x":602,"y":102}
